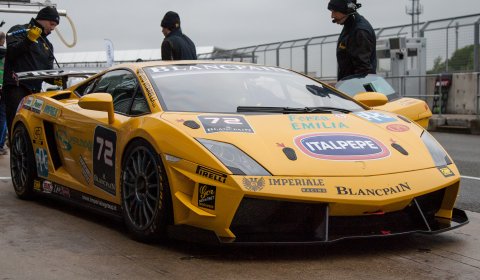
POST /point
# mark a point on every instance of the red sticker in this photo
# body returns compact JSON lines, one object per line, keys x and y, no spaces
{"x":398,"y":127}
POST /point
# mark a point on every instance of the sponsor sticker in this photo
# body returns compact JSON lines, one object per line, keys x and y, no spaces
{"x":253,"y":184}
{"x":213,"y":67}
{"x":206,"y":196}
{"x":383,"y":191}
{"x":397,"y":127}
{"x":37,"y":185}
{"x":87,"y":175}
{"x":297,"y":182}
{"x":41,"y":158}
{"x":47,"y":187}
{"x":61,"y":190}
{"x":51,"y":111}
{"x":28,"y":103}
{"x":341,"y":146}
{"x":446,"y":171}
{"x":213,"y":124}
{"x":38,"y":136}
{"x":37,"y":106}
{"x":211,"y":174}
{"x":376,"y":117}
{"x":299,"y":122}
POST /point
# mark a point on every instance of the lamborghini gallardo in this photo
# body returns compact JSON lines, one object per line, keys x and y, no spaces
{"x":231,"y":152}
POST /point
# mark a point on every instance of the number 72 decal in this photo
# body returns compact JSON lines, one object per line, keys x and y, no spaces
{"x":213,"y":124}
{"x":104,"y":147}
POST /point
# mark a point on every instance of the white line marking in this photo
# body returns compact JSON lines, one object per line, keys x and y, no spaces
{"x":471,"y":178}
{"x":5,"y":178}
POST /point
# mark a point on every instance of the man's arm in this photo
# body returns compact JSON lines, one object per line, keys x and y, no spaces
{"x":361,"y":54}
{"x":167,"y":53}
{"x":17,"y":44}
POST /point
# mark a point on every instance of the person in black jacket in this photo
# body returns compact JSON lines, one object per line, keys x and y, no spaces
{"x":28,"y":49}
{"x":356,"y":47}
{"x":176,"y":45}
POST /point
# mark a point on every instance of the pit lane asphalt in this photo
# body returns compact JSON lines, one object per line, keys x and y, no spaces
{"x":48,"y":239}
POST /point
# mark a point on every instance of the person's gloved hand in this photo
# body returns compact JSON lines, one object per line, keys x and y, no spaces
{"x":34,"y":33}
{"x":58,"y":82}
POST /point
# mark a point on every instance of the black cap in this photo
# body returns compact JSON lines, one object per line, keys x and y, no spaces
{"x":48,"y":13}
{"x":343,"y":6}
{"x":171,"y":20}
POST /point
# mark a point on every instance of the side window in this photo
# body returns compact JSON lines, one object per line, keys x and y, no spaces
{"x":127,"y":96}
{"x":122,"y":85}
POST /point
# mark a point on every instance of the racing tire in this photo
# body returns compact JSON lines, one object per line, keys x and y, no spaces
{"x":23,"y":168}
{"x":146,"y":201}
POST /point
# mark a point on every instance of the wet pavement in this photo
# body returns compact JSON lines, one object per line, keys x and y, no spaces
{"x":48,"y":239}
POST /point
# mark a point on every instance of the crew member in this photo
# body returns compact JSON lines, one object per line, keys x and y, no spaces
{"x":28,"y":49}
{"x":356,"y":47}
{"x":176,"y":45}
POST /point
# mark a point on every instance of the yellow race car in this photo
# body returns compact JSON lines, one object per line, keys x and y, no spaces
{"x":376,"y":92}
{"x":232,"y":153}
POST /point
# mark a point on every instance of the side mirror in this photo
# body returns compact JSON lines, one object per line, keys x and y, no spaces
{"x":98,"y":102}
{"x":371,"y":99}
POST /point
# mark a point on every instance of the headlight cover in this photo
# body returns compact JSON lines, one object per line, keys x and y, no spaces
{"x":234,"y":159}
{"x":439,"y":156}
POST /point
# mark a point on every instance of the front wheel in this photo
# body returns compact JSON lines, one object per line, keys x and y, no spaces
{"x":145,"y":192}
{"x":22,"y":163}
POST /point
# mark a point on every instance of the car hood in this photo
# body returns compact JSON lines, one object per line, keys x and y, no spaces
{"x":415,"y":109}
{"x":357,"y":144}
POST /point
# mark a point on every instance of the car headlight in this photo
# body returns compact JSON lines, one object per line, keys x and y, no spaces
{"x":234,"y":159}
{"x":439,"y":156}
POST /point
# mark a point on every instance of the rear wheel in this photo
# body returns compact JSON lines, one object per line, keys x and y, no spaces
{"x":22,"y":163}
{"x":145,"y":192}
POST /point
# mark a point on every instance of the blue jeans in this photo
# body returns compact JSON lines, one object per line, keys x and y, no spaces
{"x":3,"y":124}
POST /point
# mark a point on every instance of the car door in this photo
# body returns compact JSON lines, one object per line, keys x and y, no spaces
{"x":89,"y":143}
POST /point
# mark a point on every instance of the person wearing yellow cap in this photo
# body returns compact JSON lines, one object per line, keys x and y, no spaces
{"x":28,"y":49}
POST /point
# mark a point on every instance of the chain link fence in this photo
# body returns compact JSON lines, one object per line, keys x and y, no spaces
{"x":452,"y":46}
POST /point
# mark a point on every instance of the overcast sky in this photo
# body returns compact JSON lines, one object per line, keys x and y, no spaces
{"x":222,"y":23}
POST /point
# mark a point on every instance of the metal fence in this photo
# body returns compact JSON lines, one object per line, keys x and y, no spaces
{"x":315,"y":56}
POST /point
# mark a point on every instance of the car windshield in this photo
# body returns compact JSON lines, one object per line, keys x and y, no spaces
{"x":230,"y":88}
{"x":355,"y":84}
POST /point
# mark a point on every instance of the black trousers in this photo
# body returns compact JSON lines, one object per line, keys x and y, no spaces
{"x":12,"y":96}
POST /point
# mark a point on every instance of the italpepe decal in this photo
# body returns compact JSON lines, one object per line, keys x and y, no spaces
{"x":341,"y":146}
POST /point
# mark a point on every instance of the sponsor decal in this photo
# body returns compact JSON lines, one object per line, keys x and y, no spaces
{"x":386,"y":191}
{"x":61,"y":190}
{"x":446,"y":171}
{"x":314,"y":190}
{"x":37,"y":185}
{"x":104,"y":151}
{"x":398,"y":127}
{"x":213,"y":67}
{"x":38,"y":136}
{"x":253,"y":184}
{"x":340,"y":116}
{"x":47,"y":187}
{"x":37,"y":106}
{"x":301,"y":182}
{"x":98,"y":202}
{"x":51,"y":111}
{"x":376,"y":117}
{"x":213,"y":124}
{"x":314,"y":122}
{"x":28,"y":103}
{"x":67,"y":142}
{"x":149,"y":89}
{"x":211,"y":174}
{"x":87,"y":175}
{"x":341,"y":146}
{"x":41,"y":158}
{"x":206,"y":196}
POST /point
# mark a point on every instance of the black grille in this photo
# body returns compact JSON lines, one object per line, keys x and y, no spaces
{"x":259,"y":220}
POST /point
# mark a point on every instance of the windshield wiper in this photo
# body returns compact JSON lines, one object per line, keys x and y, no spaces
{"x":290,"y":110}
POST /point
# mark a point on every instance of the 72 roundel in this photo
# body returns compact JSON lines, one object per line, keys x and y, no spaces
{"x":341,"y":146}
